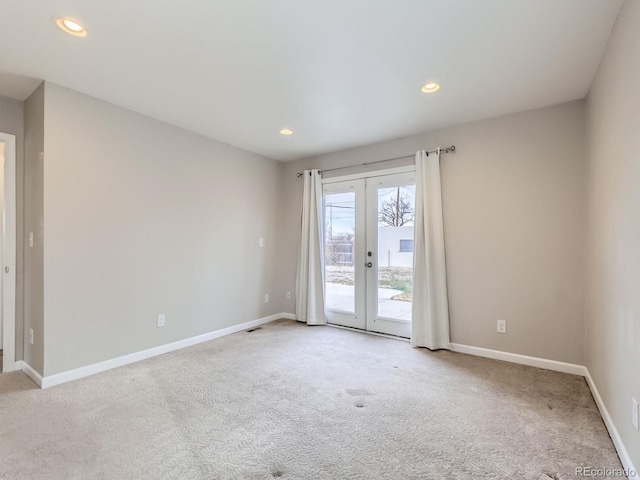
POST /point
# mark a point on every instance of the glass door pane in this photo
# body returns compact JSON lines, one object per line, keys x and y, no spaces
{"x":339,"y":244}
{"x":368,"y":252}
{"x":344,"y":237}
{"x":396,"y":211}
{"x":390,"y":223}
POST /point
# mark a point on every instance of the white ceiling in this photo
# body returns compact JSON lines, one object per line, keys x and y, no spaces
{"x":340,"y":73}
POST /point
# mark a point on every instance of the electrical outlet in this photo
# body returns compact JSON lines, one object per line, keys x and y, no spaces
{"x":161,"y":319}
{"x":261,"y":242}
{"x":502,"y":326}
{"x":634,"y":413}
{"x":266,"y":298}
{"x":31,"y":336}
{"x":288,"y":295}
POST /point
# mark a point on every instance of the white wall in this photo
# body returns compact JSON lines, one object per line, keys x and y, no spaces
{"x":613,"y":227}
{"x":514,"y":225}
{"x":143,"y":218}
{"x":12,"y":122}
{"x":34,"y":222}
{"x":1,"y":239}
{"x":389,"y":253}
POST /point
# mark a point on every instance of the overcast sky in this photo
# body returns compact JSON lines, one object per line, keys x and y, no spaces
{"x":340,"y":207}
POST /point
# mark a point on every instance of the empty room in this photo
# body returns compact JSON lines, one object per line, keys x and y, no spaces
{"x":320,"y":239}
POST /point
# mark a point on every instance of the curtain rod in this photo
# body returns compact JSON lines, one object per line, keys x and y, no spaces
{"x":452,"y":148}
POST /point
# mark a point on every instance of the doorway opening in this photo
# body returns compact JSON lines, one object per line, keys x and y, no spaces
{"x":8,"y":251}
{"x":369,"y":222}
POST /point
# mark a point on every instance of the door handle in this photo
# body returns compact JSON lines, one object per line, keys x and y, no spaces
{"x":369,"y":264}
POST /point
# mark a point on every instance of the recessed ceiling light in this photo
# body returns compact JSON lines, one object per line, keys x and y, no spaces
{"x":430,"y":87}
{"x":286,"y":131}
{"x":71,"y":26}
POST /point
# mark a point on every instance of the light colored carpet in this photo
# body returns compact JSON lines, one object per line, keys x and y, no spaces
{"x":299,"y":402}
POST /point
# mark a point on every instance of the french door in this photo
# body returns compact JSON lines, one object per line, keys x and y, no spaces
{"x":368,"y":252}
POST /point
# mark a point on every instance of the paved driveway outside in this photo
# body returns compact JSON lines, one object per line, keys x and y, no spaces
{"x":341,"y":297}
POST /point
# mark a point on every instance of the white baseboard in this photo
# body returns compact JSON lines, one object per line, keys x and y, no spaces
{"x":70,"y":375}
{"x":64,"y":377}
{"x":558,"y":367}
{"x":613,"y":431}
{"x":31,"y":373}
{"x":521,"y":359}
{"x":366,"y":332}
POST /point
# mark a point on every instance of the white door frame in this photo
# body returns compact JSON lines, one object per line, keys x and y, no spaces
{"x":376,"y":322}
{"x":9,"y":255}
{"x":364,"y":185}
{"x":355,"y":318}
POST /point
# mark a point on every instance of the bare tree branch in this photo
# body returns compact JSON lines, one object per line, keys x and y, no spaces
{"x":396,"y":212}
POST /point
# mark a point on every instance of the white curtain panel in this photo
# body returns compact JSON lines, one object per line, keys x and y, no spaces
{"x":310,"y":272}
{"x":430,"y":318}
